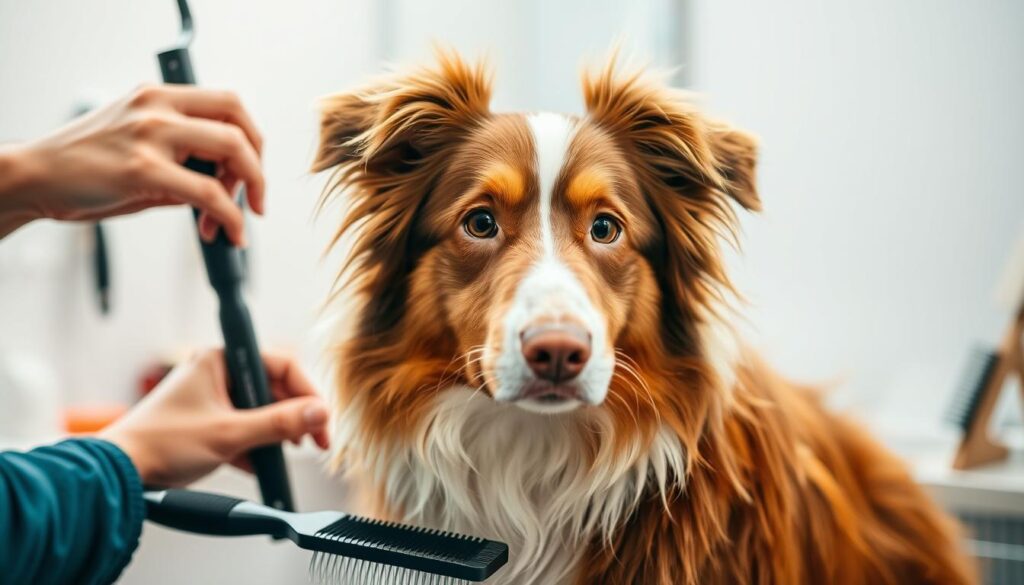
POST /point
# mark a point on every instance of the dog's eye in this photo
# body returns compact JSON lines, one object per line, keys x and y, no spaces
{"x":605,"y":230}
{"x":480,"y":224}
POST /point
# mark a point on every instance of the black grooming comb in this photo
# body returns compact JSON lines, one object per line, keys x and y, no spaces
{"x":345,"y":546}
{"x":976,"y":377}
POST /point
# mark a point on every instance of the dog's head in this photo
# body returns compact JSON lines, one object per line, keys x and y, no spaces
{"x":552,"y":261}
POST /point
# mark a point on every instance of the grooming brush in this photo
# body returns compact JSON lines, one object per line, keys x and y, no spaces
{"x":225,"y":267}
{"x":986,"y":376}
{"x":344,"y":546}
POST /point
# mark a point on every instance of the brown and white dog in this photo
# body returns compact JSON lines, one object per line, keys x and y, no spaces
{"x":541,"y":353}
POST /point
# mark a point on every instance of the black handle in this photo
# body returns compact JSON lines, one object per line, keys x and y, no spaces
{"x":250,"y":388}
{"x":225,"y":268}
{"x":205,"y":513}
{"x":101,"y":263}
{"x":176,"y":66}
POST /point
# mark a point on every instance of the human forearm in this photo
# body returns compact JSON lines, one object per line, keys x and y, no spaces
{"x":19,"y":171}
{"x":69,"y":513}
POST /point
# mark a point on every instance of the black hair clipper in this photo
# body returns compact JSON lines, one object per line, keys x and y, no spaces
{"x":225,"y":267}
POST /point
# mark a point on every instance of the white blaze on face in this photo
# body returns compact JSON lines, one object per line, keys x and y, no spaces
{"x":550,"y":292}
{"x":551,"y":137}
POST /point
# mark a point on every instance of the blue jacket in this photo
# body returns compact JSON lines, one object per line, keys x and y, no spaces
{"x":69,"y":513}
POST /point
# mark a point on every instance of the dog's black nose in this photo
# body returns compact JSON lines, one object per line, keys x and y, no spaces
{"x":556,"y":353}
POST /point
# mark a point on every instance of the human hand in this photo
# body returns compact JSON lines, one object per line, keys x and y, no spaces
{"x":127,"y":156}
{"x":186,"y":427}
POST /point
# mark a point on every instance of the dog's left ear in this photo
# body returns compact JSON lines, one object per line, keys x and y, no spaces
{"x":690,"y":169}
{"x":735,"y":155}
{"x":671,"y":144}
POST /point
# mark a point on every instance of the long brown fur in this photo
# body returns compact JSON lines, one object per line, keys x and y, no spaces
{"x":814,"y":500}
{"x":777,"y":489}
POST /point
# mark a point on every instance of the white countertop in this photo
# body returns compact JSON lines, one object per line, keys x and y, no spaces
{"x":997,"y":488}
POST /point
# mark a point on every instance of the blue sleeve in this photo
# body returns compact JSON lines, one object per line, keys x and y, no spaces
{"x":69,"y":513}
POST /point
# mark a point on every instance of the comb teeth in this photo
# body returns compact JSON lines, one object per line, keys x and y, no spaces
{"x":361,"y":550}
{"x":328,"y":569}
{"x":975,"y":378}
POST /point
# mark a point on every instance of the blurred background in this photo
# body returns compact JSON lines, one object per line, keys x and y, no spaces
{"x":889,"y":173}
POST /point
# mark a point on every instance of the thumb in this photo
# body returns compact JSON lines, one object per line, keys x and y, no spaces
{"x":283,"y":421}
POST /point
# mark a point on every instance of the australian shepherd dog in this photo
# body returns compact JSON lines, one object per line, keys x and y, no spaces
{"x":541,"y":351}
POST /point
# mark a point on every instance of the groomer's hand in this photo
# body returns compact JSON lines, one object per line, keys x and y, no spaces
{"x":187,"y":427}
{"x":127,"y":157}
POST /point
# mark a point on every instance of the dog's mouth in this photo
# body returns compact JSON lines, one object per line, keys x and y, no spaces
{"x":540,"y":396}
{"x":547,"y":398}
{"x":551,"y":398}
{"x":547,"y":392}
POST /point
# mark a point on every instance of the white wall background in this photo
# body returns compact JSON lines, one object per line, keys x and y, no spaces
{"x":890,"y":169}
{"x":890,"y":151}
{"x":890,"y":177}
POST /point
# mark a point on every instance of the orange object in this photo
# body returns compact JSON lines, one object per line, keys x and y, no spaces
{"x":80,"y":420}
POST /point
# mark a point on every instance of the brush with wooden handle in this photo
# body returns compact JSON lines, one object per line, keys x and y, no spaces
{"x":987,"y":373}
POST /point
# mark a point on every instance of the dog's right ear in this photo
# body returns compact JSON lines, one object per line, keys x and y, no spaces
{"x":400,"y":122}
{"x":344,"y":117}
{"x":387,"y":145}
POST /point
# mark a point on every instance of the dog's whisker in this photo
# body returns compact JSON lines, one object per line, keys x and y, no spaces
{"x":444,"y":373}
{"x":473,"y":355}
{"x":472,"y":395}
{"x":625,"y":405}
{"x":468,"y":361}
{"x":631,"y":367}
{"x":647,"y":394}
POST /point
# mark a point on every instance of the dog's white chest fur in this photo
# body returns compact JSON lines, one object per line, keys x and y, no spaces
{"x":546,"y":485}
